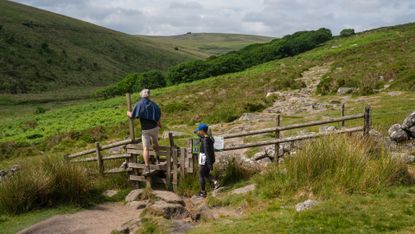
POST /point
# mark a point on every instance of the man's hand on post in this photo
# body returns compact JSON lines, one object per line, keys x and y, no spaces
{"x":129,"y":114}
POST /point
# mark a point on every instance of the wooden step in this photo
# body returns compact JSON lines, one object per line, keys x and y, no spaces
{"x":157,"y":180}
{"x":161,"y":167}
{"x":118,"y":170}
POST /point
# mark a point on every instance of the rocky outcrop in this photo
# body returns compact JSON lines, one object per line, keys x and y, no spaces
{"x":134,"y":195}
{"x":243,"y":190}
{"x":344,"y":90}
{"x":306,"y":205}
{"x":400,"y":133}
{"x":167,"y":210}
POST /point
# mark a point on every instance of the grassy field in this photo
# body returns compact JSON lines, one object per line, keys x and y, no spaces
{"x":208,"y":44}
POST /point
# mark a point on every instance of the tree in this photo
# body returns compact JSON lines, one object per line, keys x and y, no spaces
{"x":347,"y":32}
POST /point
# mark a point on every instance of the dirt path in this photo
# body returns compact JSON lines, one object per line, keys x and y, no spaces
{"x":101,"y":219}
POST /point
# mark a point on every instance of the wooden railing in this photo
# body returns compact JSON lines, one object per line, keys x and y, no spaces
{"x":366,"y":116}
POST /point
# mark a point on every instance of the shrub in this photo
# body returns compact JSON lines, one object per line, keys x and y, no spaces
{"x":338,"y":164}
{"x":347,"y":32}
{"x":48,"y":183}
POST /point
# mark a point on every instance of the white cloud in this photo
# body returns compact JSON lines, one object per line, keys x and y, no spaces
{"x":266,"y":17}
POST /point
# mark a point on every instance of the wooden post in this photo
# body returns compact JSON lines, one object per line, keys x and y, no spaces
{"x":174,"y":169}
{"x":367,"y":121}
{"x":277,"y":136}
{"x":169,"y":161}
{"x":182,"y":162}
{"x":130,"y":120}
{"x":342,"y":115}
{"x":190,"y":152}
{"x":99,"y":157}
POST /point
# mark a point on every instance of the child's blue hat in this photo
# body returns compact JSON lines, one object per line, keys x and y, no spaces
{"x":202,"y":127}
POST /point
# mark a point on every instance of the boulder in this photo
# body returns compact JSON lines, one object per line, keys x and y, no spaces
{"x":409,"y":121}
{"x":167,"y":210}
{"x":243,"y":190}
{"x":137,"y":205}
{"x":411,"y":131}
{"x":133,"y":195}
{"x":110,"y":193}
{"x":247,"y":117}
{"x":396,"y":133}
{"x":168,"y":196}
{"x":344,"y":90}
{"x":308,"y":204}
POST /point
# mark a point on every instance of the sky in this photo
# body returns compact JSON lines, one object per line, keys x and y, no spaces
{"x":261,"y":17}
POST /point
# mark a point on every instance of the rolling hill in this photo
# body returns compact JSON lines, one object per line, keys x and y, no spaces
{"x":42,"y":51}
{"x":208,"y":44}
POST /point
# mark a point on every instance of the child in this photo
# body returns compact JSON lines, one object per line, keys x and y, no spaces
{"x":206,"y":158}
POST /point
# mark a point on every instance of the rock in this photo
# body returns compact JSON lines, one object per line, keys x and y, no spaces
{"x":243,"y":190}
{"x":167,"y":210}
{"x":327,"y":129}
{"x":175,"y":133}
{"x":137,"y":205}
{"x":410,"y":159}
{"x":308,"y":204}
{"x":133,"y":195}
{"x":110,"y":193}
{"x":396,"y":133}
{"x":409,"y":121}
{"x":247,"y":117}
{"x":344,"y":90}
{"x":411,"y":131}
{"x":129,"y":227}
{"x":168,"y":196}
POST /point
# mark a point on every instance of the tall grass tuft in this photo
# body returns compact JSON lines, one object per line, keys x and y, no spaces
{"x":47,"y":183}
{"x":335,"y":164}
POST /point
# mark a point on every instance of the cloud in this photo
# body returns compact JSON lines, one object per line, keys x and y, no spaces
{"x":265,"y":17}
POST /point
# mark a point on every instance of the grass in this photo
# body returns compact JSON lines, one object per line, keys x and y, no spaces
{"x":359,"y":191}
{"x":10,"y":224}
{"x":65,"y":126}
{"x":392,"y":210}
{"x":207,"y":44}
{"x":46,"y":51}
{"x":45,"y":184}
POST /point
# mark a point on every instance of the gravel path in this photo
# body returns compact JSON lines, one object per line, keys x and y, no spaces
{"x":101,"y":219}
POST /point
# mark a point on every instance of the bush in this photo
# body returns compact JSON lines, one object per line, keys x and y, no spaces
{"x":134,"y":82}
{"x":49,"y":183}
{"x":338,"y":164}
{"x":347,"y":32}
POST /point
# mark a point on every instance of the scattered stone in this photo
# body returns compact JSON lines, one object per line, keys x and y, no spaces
{"x":8,"y":172}
{"x":247,"y":117}
{"x":245,"y":189}
{"x":137,"y":205}
{"x":133,"y":195}
{"x":175,"y":134}
{"x":344,"y":90}
{"x":411,"y":131}
{"x":110,"y":193}
{"x":167,"y":210}
{"x":168,"y":196}
{"x":308,"y":204}
{"x":397,"y":134}
{"x":129,"y":227}
{"x":325,"y":129}
{"x":409,"y":121}
{"x":409,"y":159}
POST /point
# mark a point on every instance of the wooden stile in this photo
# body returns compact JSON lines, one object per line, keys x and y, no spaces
{"x":277,"y":136}
{"x":99,"y":157}
{"x":342,"y":115}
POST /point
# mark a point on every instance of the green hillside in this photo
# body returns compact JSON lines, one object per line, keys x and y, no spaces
{"x":384,"y":56}
{"x":41,"y":51}
{"x":208,"y":44}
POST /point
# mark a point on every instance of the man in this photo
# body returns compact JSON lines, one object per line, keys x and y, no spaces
{"x":149,"y":114}
{"x":206,"y":158}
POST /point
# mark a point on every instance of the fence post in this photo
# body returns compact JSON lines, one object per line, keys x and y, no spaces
{"x":342,"y":115}
{"x":277,"y":136}
{"x":367,"y":121}
{"x":99,"y":157}
{"x":192,"y":158}
{"x":130,"y":120}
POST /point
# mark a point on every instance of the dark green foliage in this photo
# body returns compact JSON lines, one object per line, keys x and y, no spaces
{"x":347,"y":32}
{"x":134,"y":82}
{"x":249,"y":56}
